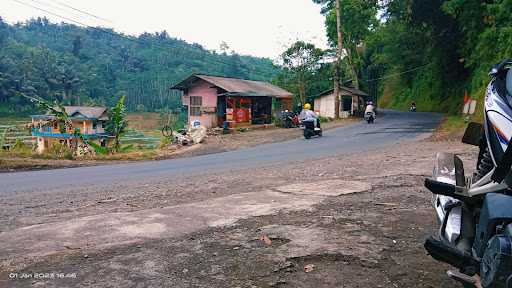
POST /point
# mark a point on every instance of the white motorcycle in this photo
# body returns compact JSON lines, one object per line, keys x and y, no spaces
{"x":475,"y":212}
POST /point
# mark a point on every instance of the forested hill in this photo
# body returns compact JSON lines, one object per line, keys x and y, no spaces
{"x":96,"y":65}
{"x":430,"y":52}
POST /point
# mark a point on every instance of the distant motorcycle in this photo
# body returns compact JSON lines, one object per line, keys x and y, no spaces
{"x":412,"y":108}
{"x":369,"y":117}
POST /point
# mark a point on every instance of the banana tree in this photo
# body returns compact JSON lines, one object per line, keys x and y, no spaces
{"x":117,"y":123}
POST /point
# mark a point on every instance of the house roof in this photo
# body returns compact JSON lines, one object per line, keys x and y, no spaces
{"x":236,"y":87}
{"x":347,"y":91}
{"x":85,"y":112}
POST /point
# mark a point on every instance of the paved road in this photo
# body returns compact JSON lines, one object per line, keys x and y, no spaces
{"x":388,"y":129}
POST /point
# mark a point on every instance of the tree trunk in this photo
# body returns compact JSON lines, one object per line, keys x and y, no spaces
{"x":337,"y":76}
{"x":352,"y":64}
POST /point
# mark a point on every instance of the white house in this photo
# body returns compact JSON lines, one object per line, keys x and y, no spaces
{"x":352,"y":102}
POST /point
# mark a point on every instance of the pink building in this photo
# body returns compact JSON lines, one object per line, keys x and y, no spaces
{"x":214,"y":100}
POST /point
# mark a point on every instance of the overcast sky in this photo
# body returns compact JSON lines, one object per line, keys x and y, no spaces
{"x":252,"y":27}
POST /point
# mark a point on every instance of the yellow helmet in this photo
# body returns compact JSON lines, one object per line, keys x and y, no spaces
{"x":307,"y":106}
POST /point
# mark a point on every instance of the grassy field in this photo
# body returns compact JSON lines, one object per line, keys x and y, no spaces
{"x":143,"y":135}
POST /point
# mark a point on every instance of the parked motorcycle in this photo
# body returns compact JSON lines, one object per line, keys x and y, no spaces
{"x":475,"y":211}
{"x":289,"y":119}
{"x":369,"y":117}
{"x":310,"y":130}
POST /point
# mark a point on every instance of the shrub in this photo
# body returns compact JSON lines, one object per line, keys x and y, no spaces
{"x":165,"y":141}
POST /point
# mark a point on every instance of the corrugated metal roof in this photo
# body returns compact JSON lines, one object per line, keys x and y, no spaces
{"x":86,"y":111}
{"x":237,"y":87}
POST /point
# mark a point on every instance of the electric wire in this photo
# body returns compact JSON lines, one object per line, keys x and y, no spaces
{"x":81,"y":11}
{"x":400,"y":73}
{"x":135,"y":40}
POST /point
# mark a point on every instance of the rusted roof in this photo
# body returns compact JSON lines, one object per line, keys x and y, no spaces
{"x":237,"y":87}
{"x":86,"y":112}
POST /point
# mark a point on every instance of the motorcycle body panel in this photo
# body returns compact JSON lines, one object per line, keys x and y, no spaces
{"x":447,"y":208}
{"x":498,"y":121}
{"x":475,"y":212}
{"x":309,"y":129}
{"x":496,"y":210}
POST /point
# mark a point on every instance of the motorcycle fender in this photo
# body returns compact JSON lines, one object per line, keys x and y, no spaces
{"x":496,"y":210}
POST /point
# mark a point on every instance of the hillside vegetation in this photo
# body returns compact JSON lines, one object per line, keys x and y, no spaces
{"x":429,"y":52}
{"x":90,"y":66}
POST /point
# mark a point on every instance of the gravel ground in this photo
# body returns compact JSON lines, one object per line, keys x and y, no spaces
{"x":369,"y":239}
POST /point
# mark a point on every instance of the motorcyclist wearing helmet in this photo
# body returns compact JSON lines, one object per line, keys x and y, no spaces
{"x":308,"y":115}
{"x":369,"y":107}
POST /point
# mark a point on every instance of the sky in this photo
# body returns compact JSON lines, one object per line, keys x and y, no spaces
{"x":262,"y":28}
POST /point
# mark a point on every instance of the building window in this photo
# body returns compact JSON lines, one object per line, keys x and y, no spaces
{"x":94,"y":125}
{"x":196,"y":103}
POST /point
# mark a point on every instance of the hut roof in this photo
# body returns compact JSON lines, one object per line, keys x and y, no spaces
{"x":237,"y":87}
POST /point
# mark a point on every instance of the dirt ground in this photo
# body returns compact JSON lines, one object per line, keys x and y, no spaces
{"x":368,"y":239}
{"x":212,"y":144}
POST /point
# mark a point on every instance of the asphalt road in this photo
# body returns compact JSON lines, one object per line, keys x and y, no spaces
{"x":390,"y":128}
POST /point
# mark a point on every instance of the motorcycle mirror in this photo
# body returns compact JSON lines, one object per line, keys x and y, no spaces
{"x":473,"y":134}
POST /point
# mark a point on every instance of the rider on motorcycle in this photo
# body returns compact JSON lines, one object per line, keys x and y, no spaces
{"x":369,"y":107}
{"x":308,"y":115}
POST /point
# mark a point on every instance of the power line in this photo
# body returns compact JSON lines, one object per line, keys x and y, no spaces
{"x":400,"y":73}
{"x":54,"y":14}
{"x":135,"y":40}
{"x":81,"y":11}
{"x":55,"y":7}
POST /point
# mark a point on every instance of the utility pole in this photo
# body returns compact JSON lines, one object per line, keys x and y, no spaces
{"x":337,"y":74}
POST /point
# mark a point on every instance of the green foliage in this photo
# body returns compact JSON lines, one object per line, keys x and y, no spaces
{"x":57,"y":109}
{"x":165,"y":141}
{"x":60,"y":150}
{"x":429,"y":52}
{"x":20,"y":148}
{"x":98,"y":149}
{"x":358,"y":18}
{"x":301,"y":61}
{"x":127,"y":148}
{"x":324,"y":119}
{"x":117,"y":123}
{"x":77,"y":65}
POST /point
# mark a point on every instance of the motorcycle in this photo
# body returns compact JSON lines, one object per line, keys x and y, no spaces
{"x":412,"y":108}
{"x":310,"y":130}
{"x":475,"y":211}
{"x":369,"y":117}
{"x":289,"y":119}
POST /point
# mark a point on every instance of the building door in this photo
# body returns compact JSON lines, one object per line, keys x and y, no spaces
{"x":261,"y":110}
{"x":221,"y":110}
{"x":346,"y":103}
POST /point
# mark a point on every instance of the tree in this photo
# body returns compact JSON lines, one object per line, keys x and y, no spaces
{"x":51,"y":61}
{"x":224,"y":47}
{"x":359,"y":18}
{"x":301,"y":59}
{"x":77,"y":46}
{"x":117,"y":123}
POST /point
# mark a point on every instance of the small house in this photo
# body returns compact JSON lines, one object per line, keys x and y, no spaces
{"x":352,"y":102}
{"x":90,"y":121}
{"x":214,"y":100}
